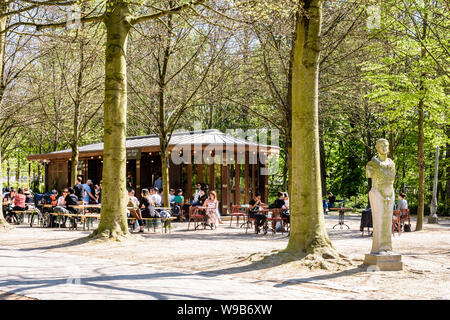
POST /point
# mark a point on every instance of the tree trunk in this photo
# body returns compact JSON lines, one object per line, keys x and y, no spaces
{"x":165,"y":172}
{"x":323,"y":165}
{"x":308,"y":233}
{"x":113,"y":223}
{"x":3,"y":19}
{"x":447,"y":183}
{"x":421,"y":164}
{"x":73,"y":168}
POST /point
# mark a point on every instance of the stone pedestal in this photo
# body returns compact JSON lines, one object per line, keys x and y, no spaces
{"x":391,"y":262}
{"x":433,"y":220}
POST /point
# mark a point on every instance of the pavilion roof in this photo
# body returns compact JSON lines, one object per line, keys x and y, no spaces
{"x":211,"y":137}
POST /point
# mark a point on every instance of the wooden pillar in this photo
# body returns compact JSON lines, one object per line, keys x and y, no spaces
{"x":253,"y":180}
{"x":85,"y":173}
{"x":237,"y":179}
{"x":225,"y":187}
{"x":189,"y":182}
{"x":212,"y":185}
{"x":247,"y":178}
{"x":200,"y":173}
{"x":138,"y":176}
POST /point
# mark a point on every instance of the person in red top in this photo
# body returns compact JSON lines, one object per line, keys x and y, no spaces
{"x":19,"y":204}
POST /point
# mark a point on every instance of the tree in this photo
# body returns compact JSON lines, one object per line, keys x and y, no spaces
{"x":178,"y":51}
{"x":308,"y":234}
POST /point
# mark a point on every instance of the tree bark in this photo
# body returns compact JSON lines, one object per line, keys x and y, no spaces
{"x":421,"y":165}
{"x":447,"y":183}
{"x":3,"y":20}
{"x":113,"y":222}
{"x":308,"y":233}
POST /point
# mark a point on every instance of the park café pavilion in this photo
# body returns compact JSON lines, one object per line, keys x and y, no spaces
{"x":227,"y":153}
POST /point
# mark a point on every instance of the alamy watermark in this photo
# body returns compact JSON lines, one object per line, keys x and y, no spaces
{"x":237,"y":146}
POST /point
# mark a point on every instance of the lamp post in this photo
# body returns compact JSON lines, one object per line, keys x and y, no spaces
{"x":433,"y":218}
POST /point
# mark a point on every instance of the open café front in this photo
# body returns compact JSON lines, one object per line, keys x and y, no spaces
{"x":236,"y":168}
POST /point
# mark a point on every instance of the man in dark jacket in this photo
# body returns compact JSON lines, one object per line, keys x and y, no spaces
{"x":79,"y":189}
{"x":72,"y":200}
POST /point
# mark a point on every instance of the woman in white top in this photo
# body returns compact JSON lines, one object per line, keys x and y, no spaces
{"x":402,"y":203}
{"x":211,"y":205}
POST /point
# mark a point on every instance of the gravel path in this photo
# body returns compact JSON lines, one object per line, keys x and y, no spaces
{"x":211,"y":264}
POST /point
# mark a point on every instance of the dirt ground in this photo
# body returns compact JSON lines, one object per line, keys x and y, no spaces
{"x":226,"y":250}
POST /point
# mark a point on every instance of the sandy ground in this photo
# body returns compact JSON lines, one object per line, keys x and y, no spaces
{"x":225,"y":252}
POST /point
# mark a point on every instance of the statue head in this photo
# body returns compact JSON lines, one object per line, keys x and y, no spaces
{"x":382,"y":146}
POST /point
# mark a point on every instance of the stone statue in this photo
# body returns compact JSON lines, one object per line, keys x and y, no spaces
{"x":382,"y":196}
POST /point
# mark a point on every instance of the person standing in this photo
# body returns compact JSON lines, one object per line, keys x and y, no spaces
{"x":158,"y":183}
{"x":79,"y":190}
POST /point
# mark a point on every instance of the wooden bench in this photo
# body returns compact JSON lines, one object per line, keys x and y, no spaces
{"x":21,"y":215}
{"x":163,"y":221}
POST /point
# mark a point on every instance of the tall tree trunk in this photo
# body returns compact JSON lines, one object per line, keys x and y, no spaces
{"x":163,"y":130}
{"x":75,"y":161}
{"x":308,"y":233}
{"x":323,"y":165}
{"x":8,"y":173}
{"x":447,"y":178}
{"x":113,"y":223}
{"x":76,"y":118}
{"x":3,"y":20}
{"x":421,"y":165}
{"x":165,"y":171}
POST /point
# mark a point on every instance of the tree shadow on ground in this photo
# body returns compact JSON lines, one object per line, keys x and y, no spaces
{"x":75,"y":242}
{"x":359,"y":269}
{"x":269,"y":261}
{"x":98,"y":282}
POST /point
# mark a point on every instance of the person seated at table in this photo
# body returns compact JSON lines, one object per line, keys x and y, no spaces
{"x":402,"y":203}
{"x":19,"y":205}
{"x":72,"y":200}
{"x":28,"y":194}
{"x":172,"y":197}
{"x":133,"y":208}
{"x":9,"y":196}
{"x":155,"y":197}
{"x":6,"y":195}
{"x":260,"y":219}
{"x":60,"y":207}
{"x":201,"y":199}
{"x":147,"y":207}
{"x":196,"y":193}
{"x":211,"y":204}
{"x":279,"y":202}
{"x":53,"y":197}
{"x":331,"y":200}
{"x":285,"y":213}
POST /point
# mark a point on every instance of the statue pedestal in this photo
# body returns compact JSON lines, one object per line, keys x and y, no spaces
{"x":391,"y":262}
{"x":433,"y":219}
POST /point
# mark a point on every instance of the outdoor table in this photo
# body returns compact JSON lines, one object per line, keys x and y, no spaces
{"x":341,"y":222}
{"x":366,"y":221}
